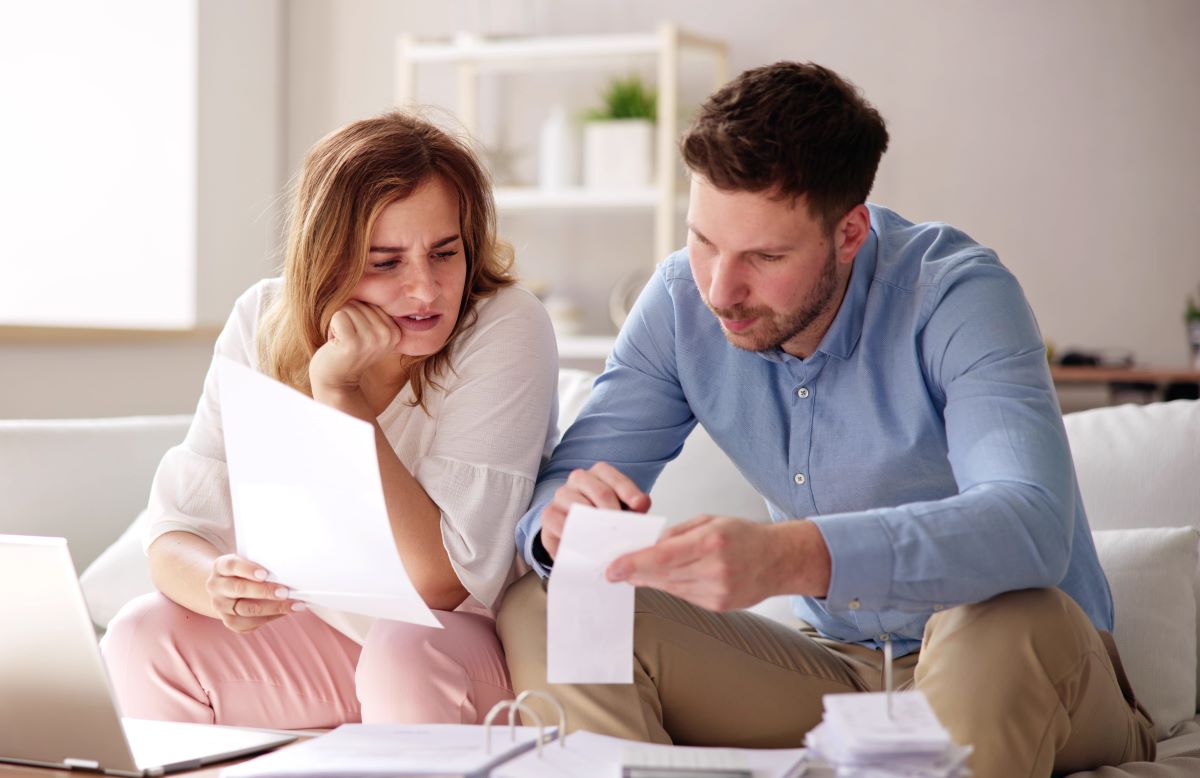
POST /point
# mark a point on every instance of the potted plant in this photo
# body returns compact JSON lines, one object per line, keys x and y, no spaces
{"x":618,"y":137}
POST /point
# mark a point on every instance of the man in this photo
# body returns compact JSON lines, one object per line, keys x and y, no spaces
{"x":884,"y":386}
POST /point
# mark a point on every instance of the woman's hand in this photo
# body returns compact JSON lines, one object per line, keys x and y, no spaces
{"x":243,"y":598}
{"x":360,"y":335}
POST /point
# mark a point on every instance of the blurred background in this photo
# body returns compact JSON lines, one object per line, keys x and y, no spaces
{"x":147,"y":147}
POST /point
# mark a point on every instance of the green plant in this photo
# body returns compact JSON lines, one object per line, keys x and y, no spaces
{"x":626,"y":98}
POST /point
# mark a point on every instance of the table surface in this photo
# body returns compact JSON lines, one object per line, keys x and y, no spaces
{"x":1082,"y":374}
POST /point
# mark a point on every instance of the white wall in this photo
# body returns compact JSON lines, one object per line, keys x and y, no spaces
{"x":1061,"y":133}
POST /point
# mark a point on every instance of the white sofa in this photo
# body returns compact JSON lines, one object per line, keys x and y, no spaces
{"x":1139,"y":469}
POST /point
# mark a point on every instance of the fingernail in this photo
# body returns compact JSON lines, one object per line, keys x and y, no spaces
{"x":618,"y":572}
{"x":299,"y":606}
{"x":260,"y":574}
{"x":281,"y":593}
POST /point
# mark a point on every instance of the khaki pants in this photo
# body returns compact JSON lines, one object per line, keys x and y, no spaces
{"x":1024,"y":677}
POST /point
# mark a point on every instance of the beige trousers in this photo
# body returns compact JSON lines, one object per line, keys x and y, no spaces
{"x":1024,"y":677}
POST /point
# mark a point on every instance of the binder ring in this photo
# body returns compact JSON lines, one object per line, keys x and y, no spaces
{"x":550,"y":698}
{"x":512,"y":707}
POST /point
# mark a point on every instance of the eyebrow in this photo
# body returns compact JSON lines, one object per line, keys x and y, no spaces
{"x":399,"y":249}
{"x":755,"y":250}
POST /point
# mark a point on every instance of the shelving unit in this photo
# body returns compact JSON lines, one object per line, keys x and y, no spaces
{"x":471,"y":55}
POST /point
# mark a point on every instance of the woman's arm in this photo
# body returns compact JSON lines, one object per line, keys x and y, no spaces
{"x":415,"y":518}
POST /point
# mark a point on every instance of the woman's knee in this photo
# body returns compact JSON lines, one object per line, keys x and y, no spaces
{"x":144,"y":626}
{"x":411,"y":673}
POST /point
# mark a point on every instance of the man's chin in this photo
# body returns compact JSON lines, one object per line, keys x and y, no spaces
{"x":747,"y":341}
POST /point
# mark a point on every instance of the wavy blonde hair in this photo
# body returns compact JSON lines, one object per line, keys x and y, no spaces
{"x":346,"y":181}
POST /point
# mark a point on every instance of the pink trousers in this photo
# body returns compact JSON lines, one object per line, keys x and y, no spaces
{"x":297,"y":672}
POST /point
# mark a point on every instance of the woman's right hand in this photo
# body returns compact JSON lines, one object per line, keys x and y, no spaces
{"x":242,"y":596}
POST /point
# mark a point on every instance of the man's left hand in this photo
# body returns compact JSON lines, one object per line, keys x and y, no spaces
{"x":723,"y":563}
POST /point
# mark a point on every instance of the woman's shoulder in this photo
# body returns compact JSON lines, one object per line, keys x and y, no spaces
{"x":511,"y":318}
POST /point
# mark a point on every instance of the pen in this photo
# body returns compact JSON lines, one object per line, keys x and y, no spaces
{"x":887,"y":674}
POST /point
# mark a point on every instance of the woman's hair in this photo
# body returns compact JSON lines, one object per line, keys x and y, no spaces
{"x":346,"y":181}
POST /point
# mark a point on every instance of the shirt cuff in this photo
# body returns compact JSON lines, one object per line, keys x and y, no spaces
{"x":537,"y":556}
{"x":863,"y":561}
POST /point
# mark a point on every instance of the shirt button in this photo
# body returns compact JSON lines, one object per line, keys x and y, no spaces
{"x":855,"y":604}
{"x":884,"y":637}
{"x":802,"y":393}
{"x":799,"y":479}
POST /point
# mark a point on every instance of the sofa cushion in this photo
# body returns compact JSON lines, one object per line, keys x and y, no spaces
{"x":1139,"y":466}
{"x":1152,"y":573}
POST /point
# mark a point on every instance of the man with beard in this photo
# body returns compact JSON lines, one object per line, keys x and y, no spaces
{"x":883,"y":385}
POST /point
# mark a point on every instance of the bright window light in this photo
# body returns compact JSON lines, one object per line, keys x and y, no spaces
{"x":98,"y":163}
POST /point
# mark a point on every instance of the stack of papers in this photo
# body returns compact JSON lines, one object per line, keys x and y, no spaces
{"x":861,"y":740}
{"x":588,"y":755}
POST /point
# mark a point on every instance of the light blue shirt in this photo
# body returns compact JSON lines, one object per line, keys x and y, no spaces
{"x":923,"y":436}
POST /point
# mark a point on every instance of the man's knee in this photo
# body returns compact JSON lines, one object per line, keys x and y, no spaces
{"x":522,"y":613}
{"x":1013,"y":612}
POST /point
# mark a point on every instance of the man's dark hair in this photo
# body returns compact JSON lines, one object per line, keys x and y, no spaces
{"x":790,"y":129}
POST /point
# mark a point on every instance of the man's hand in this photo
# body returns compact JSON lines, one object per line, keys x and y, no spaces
{"x":722,"y":563}
{"x":601,"y":486}
{"x":243,"y":598}
{"x":360,"y":335}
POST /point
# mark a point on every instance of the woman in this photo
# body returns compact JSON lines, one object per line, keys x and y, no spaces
{"x":395,"y":306}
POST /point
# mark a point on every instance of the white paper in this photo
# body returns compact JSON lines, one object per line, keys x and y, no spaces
{"x":588,"y":755}
{"x":308,"y":500}
{"x":590,"y":619}
{"x":391,"y":749}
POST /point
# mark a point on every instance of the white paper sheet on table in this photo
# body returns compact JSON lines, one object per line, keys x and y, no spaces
{"x":588,"y":755}
{"x":590,"y":619}
{"x":391,"y":749}
{"x":308,"y":500}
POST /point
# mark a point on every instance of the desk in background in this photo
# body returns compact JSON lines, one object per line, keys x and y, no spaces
{"x":1081,"y":387}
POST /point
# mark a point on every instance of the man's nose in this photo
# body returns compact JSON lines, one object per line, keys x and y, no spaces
{"x":726,"y":288}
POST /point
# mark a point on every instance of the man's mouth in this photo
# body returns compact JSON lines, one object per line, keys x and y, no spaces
{"x":737,"y":325}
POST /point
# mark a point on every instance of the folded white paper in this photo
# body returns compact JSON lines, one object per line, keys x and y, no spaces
{"x":590,"y":619}
{"x":308,"y":500}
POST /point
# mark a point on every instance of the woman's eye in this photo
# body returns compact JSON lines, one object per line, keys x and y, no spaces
{"x":387,"y":264}
{"x":444,"y":255}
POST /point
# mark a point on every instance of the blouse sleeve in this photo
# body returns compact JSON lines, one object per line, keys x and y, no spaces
{"x":496,"y":422}
{"x":190,"y":492}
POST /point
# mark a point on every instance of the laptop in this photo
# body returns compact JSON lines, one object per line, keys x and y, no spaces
{"x":56,"y":706}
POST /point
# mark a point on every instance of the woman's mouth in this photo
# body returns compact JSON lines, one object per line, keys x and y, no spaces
{"x":418,"y":322}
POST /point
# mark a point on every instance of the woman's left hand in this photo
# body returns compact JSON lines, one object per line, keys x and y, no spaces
{"x":360,"y":334}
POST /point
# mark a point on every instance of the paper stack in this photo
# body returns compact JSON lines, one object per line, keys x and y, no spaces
{"x":862,"y":738}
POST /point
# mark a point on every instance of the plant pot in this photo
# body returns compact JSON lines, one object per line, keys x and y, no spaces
{"x":618,"y":154}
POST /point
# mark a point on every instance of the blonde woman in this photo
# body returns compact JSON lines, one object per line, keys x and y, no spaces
{"x":395,"y":306}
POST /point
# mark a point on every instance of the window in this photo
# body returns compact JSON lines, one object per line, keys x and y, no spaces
{"x":98,"y":159}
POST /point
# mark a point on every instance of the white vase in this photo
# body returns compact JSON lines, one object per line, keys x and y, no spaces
{"x":618,"y":154}
{"x":558,"y":156}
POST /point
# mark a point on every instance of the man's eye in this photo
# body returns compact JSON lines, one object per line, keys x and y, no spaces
{"x":770,"y":257}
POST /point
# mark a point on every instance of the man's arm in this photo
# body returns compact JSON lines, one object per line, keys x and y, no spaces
{"x":1011,"y":524}
{"x":636,"y":418}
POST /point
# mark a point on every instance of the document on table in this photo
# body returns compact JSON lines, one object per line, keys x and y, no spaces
{"x":588,"y":755}
{"x":308,"y":500}
{"x":392,"y":749}
{"x":590,"y":619}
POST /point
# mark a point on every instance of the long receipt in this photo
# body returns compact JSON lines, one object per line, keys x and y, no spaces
{"x":308,"y":500}
{"x":590,"y":619}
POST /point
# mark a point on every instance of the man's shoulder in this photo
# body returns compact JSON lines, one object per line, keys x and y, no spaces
{"x":913,"y":256}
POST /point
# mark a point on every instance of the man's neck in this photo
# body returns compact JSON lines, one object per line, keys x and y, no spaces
{"x":803,"y":344}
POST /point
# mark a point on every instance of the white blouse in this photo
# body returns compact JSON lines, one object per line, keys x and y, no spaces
{"x":476,"y":452}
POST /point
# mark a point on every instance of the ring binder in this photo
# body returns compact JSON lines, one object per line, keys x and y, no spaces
{"x":512,"y":707}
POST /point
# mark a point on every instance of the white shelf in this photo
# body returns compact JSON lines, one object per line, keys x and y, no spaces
{"x":585,"y":346}
{"x":533,"y":198}
{"x":516,"y":53}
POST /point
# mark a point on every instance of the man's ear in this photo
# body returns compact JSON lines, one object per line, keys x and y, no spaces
{"x":851,"y":232}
